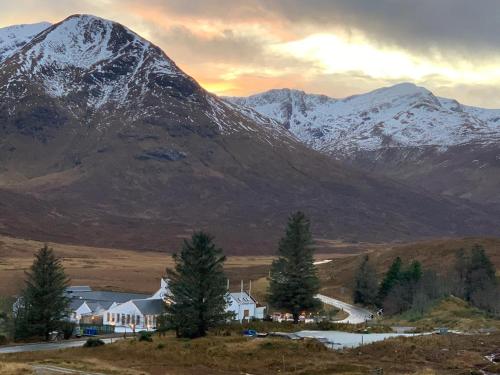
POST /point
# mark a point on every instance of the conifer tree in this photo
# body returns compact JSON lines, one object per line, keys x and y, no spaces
{"x":44,"y":304}
{"x":459,"y":275}
{"x":294,"y":281}
{"x":198,"y":286}
{"x":365,"y":283}
{"x":480,"y":276}
{"x":392,"y":277}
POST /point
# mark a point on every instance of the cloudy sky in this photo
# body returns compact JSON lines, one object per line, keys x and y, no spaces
{"x":333,"y":47}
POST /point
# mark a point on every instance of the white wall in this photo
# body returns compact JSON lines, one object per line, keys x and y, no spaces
{"x":146,"y":322}
{"x":239,"y":310}
{"x":130,"y":312}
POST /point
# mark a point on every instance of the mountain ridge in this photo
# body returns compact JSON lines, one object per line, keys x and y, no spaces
{"x":403,"y":132}
{"x":127,"y":150}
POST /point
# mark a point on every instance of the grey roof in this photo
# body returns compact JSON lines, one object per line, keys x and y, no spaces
{"x":78,"y":288}
{"x":242,"y":298}
{"x":105,"y":296}
{"x":99,"y":305}
{"x":75,"y":304}
{"x":150,"y":306}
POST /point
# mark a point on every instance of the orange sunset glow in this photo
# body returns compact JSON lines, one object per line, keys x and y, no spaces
{"x":338,"y":48}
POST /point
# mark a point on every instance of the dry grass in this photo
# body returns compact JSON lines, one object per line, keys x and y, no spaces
{"x":337,"y":276}
{"x":235,"y":355}
{"x":125,"y":270}
{"x":15,"y":369}
{"x":113,"y":269}
{"x":453,"y":313}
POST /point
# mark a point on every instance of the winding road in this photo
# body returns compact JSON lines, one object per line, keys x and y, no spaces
{"x":357,"y":314}
{"x":50,"y":345}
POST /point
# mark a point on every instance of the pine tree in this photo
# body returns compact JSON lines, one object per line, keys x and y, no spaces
{"x":44,"y":304}
{"x":365,"y":283}
{"x":294,"y":281}
{"x":459,"y":275}
{"x":480,"y":276}
{"x":198,"y":286}
{"x":392,"y":277}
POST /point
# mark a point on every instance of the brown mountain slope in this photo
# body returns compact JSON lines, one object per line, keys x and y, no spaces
{"x":111,"y":144}
{"x":439,"y":255}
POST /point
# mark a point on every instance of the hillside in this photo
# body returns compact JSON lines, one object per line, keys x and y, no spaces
{"x":105,"y":141}
{"x":404,"y":132}
{"x":438,"y":255}
{"x":13,"y":38}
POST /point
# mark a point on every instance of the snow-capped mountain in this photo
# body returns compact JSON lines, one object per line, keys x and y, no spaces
{"x":95,"y":64}
{"x":12,"y":38}
{"x":404,"y":115}
{"x":104,"y":137}
{"x":404,"y":132}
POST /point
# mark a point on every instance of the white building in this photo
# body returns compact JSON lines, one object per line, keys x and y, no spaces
{"x":244,"y":307}
{"x":125,"y":311}
{"x":135,"y":315}
{"x":138,"y":312}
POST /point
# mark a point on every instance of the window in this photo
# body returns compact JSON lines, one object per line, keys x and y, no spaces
{"x":133,"y":319}
{"x":128,"y":318}
{"x":138,"y":320}
{"x":246,"y":313}
{"x":123,"y":319}
{"x":107,"y":317}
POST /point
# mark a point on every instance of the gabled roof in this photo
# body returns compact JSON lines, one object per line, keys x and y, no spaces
{"x":106,"y":296}
{"x":99,"y":305}
{"x":242,"y":298}
{"x":150,"y":306}
{"x":78,"y":288}
{"x":75,"y":304}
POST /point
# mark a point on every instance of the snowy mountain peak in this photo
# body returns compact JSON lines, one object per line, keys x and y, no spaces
{"x":98,"y":69}
{"x":404,"y":115}
{"x":13,"y":38}
{"x":86,"y":54}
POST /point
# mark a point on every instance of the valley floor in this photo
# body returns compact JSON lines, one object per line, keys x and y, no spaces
{"x":448,"y":354}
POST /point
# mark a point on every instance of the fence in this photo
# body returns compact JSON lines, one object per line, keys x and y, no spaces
{"x":95,"y":329}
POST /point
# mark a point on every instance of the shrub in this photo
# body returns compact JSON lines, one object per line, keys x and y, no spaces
{"x":93,"y":342}
{"x":160,"y":346}
{"x":145,"y":336}
{"x":267,"y":345}
{"x":67,"y":329}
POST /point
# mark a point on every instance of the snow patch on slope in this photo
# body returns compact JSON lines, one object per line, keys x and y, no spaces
{"x":13,"y":38}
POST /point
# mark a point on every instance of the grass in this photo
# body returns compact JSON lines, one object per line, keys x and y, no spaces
{"x":338,"y":276}
{"x":236,"y":354}
{"x":15,"y":369}
{"x":111,"y":269}
{"x":452,"y":313}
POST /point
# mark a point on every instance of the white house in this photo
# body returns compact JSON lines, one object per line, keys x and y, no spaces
{"x":132,"y":311}
{"x":244,"y":307}
{"x":125,"y":311}
{"x":135,"y":315}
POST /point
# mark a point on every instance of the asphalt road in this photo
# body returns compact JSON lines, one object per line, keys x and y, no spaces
{"x":356,"y":314}
{"x":56,"y":370}
{"x":50,"y":345}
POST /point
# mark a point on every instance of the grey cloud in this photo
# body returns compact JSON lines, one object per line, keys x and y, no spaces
{"x":425,"y":26}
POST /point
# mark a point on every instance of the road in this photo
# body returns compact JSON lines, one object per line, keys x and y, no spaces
{"x":356,"y":314}
{"x":50,"y":345}
{"x":56,"y":370}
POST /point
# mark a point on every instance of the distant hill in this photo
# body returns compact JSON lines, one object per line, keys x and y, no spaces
{"x":438,"y":255}
{"x":403,"y":132}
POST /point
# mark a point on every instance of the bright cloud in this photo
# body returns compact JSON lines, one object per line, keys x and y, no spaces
{"x":335,"y":47}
